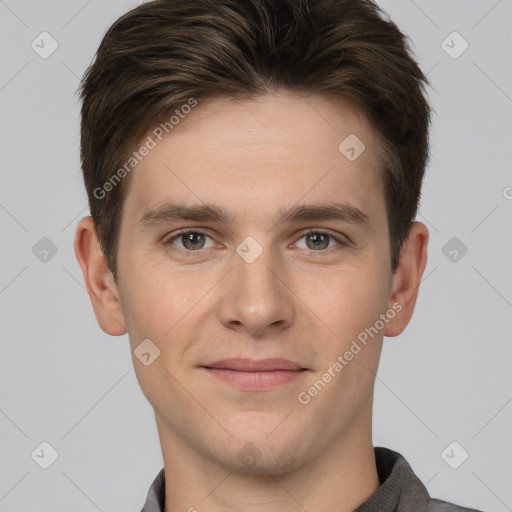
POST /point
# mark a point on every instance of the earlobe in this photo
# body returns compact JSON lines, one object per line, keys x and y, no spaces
{"x":407,"y":278}
{"x":98,"y":279}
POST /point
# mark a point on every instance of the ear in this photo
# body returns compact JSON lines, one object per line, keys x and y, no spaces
{"x":99,"y":280}
{"x":407,"y":278}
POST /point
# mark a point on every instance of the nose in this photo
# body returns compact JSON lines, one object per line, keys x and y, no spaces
{"x":256,"y":297}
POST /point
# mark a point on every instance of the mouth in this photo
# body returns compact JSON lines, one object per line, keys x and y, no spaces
{"x":256,"y":375}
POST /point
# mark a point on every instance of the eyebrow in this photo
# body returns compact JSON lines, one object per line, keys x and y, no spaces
{"x":341,"y":212}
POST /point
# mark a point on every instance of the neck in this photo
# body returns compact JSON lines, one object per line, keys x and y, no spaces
{"x":338,"y":480}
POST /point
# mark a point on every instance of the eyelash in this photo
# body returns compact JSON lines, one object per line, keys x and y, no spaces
{"x":198,"y":252}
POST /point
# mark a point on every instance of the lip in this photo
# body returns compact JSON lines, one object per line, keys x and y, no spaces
{"x":255,"y":374}
{"x":253,"y":365}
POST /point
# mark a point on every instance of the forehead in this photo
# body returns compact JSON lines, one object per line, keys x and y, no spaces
{"x":304,"y":123}
{"x":231,"y":149}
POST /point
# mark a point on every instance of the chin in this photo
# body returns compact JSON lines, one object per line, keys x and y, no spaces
{"x":261,"y":456}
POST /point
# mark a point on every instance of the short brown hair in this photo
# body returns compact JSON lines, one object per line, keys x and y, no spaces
{"x":157,"y":56}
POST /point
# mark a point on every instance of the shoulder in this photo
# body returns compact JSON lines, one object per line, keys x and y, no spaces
{"x":401,"y":490}
{"x":435,"y":505}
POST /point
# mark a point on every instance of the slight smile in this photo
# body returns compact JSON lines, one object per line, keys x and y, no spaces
{"x":255,"y":375}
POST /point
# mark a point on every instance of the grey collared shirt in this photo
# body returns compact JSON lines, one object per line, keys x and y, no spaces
{"x":400,"y":490}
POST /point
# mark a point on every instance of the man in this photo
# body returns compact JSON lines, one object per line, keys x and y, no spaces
{"x":254,"y":170}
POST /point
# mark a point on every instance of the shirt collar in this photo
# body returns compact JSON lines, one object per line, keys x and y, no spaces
{"x":400,"y":489}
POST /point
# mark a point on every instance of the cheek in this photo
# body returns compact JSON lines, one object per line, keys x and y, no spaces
{"x":158,"y":302}
{"x":346,"y":302}
{"x":350,"y":306}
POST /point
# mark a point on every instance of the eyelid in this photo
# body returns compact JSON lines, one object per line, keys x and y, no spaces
{"x":342,"y":239}
{"x":167,"y":240}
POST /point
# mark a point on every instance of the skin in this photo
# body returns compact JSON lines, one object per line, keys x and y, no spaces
{"x":254,"y":158}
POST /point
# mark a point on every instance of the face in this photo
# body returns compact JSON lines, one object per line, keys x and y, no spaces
{"x":277,"y":277}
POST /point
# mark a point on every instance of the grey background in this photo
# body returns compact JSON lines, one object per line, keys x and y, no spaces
{"x":64,"y":381}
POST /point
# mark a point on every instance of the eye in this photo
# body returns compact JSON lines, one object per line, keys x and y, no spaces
{"x":318,"y":241}
{"x":190,"y":240}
